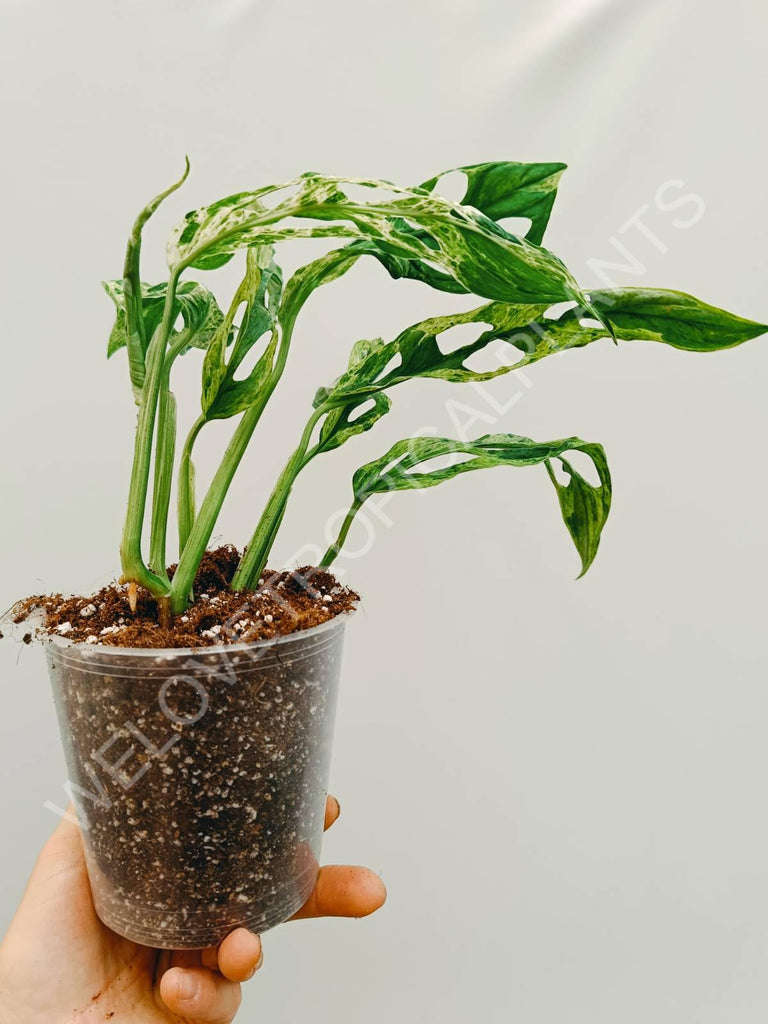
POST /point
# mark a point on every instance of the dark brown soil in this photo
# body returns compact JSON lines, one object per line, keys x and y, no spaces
{"x":283,"y":603}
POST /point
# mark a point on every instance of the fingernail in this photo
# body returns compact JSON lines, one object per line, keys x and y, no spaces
{"x":187,"y":986}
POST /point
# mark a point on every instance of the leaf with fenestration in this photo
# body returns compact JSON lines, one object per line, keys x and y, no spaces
{"x":507,"y":189}
{"x":498,"y":190}
{"x":462,"y":241}
{"x":223,"y":394}
{"x":584,"y":506}
{"x":346,"y":420}
{"x":416,"y":352}
{"x":639,"y":314}
{"x":196,"y":304}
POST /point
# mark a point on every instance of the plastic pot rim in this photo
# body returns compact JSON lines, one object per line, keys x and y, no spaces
{"x":62,"y":643}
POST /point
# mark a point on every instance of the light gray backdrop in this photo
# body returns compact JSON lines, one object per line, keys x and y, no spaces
{"x":563,"y":784}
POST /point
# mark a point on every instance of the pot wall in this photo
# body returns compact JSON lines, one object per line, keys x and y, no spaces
{"x":200,"y":779}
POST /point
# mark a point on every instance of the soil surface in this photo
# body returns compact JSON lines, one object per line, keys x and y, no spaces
{"x":284,"y":602}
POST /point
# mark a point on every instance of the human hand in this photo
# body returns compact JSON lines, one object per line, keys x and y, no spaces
{"x":60,"y":965}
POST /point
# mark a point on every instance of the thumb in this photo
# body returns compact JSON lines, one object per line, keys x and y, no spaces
{"x":199,"y":996}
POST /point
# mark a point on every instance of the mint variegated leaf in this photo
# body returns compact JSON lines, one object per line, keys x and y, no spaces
{"x":462,"y":241}
{"x":197,"y":306}
{"x":223,"y":394}
{"x":640,"y":314}
{"x":506,"y":189}
{"x":346,"y":419}
{"x":674,"y":318}
{"x":416,"y":352}
{"x":344,"y":422}
{"x":498,"y":190}
{"x":584,"y":506}
{"x":405,"y":466}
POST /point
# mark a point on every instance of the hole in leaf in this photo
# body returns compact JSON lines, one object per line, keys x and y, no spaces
{"x":384,"y":473}
{"x":394,"y":363}
{"x":282,"y":194}
{"x":413,"y":227}
{"x":441,"y":462}
{"x":560,"y":474}
{"x":435,"y":266}
{"x":590,"y":321}
{"x":178,"y":323}
{"x":583,"y":465}
{"x":452,"y":186}
{"x":375,"y":194}
{"x":556,"y":311}
{"x":252,"y":357}
{"x":288,"y":228}
{"x":239,"y":314}
{"x":493,"y":356}
{"x":460,"y":335}
{"x":361,"y":410}
{"x":515,"y":225}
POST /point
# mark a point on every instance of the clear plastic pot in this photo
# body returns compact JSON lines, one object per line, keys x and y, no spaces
{"x":200,"y":778}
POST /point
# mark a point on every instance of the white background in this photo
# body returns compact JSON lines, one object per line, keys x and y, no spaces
{"x":563,"y":784}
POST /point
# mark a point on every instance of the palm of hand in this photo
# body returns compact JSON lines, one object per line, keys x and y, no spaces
{"x":59,"y":963}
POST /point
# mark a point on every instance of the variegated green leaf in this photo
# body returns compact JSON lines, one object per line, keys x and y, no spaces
{"x":403,"y":466}
{"x":639,"y":314}
{"x":584,"y":507}
{"x":197,"y":306}
{"x":506,"y":189}
{"x":498,"y":190}
{"x":345,"y":421}
{"x":377,"y":366}
{"x":674,"y":318}
{"x":223,"y":394}
{"x":467,"y":245}
{"x":418,"y":354}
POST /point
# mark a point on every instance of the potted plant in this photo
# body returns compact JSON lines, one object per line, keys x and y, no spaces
{"x":196,"y":702}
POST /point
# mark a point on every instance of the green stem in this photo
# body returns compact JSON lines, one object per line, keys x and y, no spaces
{"x":186,"y":487}
{"x":130,"y":548}
{"x":205,"y":520}
{"x":165,"y":449}
{"x":256,"y":555}
{"x":335,"y":548}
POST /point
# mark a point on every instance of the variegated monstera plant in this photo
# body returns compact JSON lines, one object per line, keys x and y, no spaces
{"x":414,"y":233}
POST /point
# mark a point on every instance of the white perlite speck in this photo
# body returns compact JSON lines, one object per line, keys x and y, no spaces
{"x":88,"y":611}
{"x":65,"y":627}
